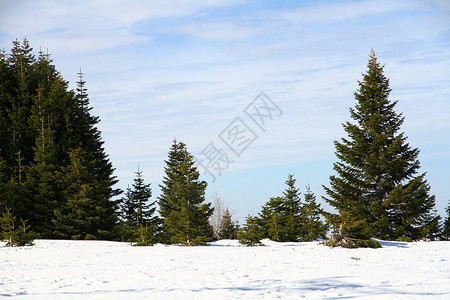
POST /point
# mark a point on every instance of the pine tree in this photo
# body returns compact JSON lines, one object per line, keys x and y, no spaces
{"x":280,"y":217}
{"x":446,"y":225}
{"x":175,"y":158}
{"x":42,"y":179}
{"x":128,"y":207}
{"x":293,"y":206}
{"x":251,"y":233}
{"x":136,"y":208}
{"x":15,"y":233}
{"x":85,"y":211}
{"x":228,"y":228}
{"x":139,"y":221}
{"x":312,"y":226}
{"x":376,"y":192}
{"x":273,"y":218}
{"x":185,"y":215}
{"x":141,"y":194}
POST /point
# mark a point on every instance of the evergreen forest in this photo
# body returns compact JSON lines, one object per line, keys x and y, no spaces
{"x":57,"y":181}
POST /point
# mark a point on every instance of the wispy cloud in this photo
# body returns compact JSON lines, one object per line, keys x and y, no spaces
{"x":156,"y":70}
{"x":327,"y":13}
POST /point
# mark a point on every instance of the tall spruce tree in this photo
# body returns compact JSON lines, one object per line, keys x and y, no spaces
{"x":377,"y":192}
{"x":182,"y":201}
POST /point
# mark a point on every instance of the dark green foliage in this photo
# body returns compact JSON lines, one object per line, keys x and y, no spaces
{"x":376,"y":192}
{"x":135,"y":206}
{"x":16,"y":234}
{"x":42,"y":124}
{"x":85,"y":211}
{"x":185,"y":215}
{"x":280,"y":217}
{"x":312,"y":226}
{"x":90,"y":237}
{"x":227,"y":228}
{"x":273,"y":219}
{"x":293,"y":211}
{"x":287,"y":219}
{"x":353,"y":243}
{"x":146,"y":235}
{"x":138,"y":222}
{"x":446,"y":225}
{"x":251,"y":233}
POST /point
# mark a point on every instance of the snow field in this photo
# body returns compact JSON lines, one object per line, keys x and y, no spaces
{"x":224,"y":270}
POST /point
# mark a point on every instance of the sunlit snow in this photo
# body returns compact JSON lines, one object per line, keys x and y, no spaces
{"x":225,"y":270}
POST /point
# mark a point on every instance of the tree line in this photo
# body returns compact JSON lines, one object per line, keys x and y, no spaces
{"x":56,"y":180}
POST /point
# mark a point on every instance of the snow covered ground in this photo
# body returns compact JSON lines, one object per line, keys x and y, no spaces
{"x":225,"y":270}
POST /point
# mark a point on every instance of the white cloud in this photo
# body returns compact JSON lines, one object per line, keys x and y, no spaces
{"x":346,"y":11}
{"x":161,"y":69}
{"x":216,"y":30}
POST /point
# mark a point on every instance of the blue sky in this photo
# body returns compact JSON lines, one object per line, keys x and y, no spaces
{"x":157,"y":70}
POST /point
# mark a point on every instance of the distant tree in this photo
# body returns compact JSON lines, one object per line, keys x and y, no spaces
{"x":446,"y":229}
{"x":182,"y":201}
{"x":221,"y":220}
{"x":293,"y":208}
{"x":273,"y":219}
{"x":376,"y":192}
{"x":136,"y":206}
{"x":216,"y":218}
{"x":228,"y":228}
{"x":251,"y":233}
{"x":138,"y":214}
{"x":280,"y":217}
{"x":312,"y":226}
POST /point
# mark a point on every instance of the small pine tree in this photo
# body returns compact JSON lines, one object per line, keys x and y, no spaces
{"x":15,"y":235}
{"x":446,"y":225}
{"x":280,"y":217}
{"x":138,"y":222}
{"x":293,"y":208}
{"x":146,"y":235}
{"x":273,"y":219}
{"x":136,"y":208}
{"x":251,"y":233}
{"x":227,"y":228}
{"x":312,"y":226}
